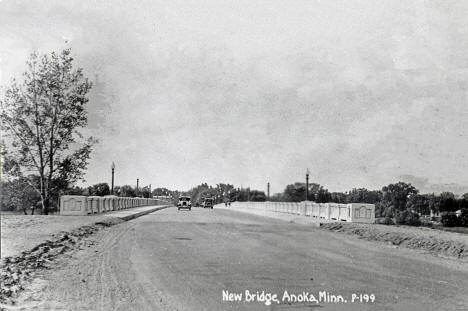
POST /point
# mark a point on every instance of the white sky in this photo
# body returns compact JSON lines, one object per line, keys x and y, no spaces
{"x":247,"y":92}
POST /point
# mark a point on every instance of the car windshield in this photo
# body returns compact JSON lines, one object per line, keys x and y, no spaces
{"x":184,"y":199}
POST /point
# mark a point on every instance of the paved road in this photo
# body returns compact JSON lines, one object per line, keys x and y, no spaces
{"x":172,"y":260}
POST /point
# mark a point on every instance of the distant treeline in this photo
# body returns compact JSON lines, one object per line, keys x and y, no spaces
{"x":392,"y":201}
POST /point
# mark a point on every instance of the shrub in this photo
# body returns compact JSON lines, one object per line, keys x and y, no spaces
{"x":464,"y":217}
{"x":385,"y":221}
{"x":450,"y":220}
{"x":407,"y":218}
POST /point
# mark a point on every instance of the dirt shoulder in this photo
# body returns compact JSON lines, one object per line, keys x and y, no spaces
{"x":31,"y":243}
{"x":438,"y":242}
{"x":20,"y":233}
{"x":19,"y":269}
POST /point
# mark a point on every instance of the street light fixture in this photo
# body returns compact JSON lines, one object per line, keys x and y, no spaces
{"x":112,"y":184}
{"x":268,"y":191}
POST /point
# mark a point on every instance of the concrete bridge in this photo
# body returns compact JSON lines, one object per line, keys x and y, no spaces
{"x":89,"y":205}
{"x":193,"y":260}
{"x":353,"y":212}
{"x":324,"y":212}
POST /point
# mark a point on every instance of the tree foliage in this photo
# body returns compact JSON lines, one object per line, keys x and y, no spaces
{"x":418,"y":203}
{"x":295,"y":192}
{"x":18,"y":195}
{"x":100,"y":189}
{"x":257,"y":196}
{"x":395,"y":196}
{"x":42,"y":117}
{"x":221,"y":192}
{"x":447,"y":202}
{"x":362,"y":195}
{"x":450,"y":219}
{"x":125,"y":191}
{"x":408,"y":218}
{"x":144,"y":192}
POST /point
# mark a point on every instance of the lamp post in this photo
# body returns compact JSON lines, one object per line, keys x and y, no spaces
{"x":268,"y":191}
{"x":112,"y":183}
{"x":307,"y":185}
{"x":138,"y":181}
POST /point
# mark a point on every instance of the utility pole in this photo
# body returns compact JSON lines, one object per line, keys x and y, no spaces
{"x":112,"y":184}
{"x":150,"y":195}
{"x":268,"y":191}
{"x":138,"y":180}
{"x":307,"y":185}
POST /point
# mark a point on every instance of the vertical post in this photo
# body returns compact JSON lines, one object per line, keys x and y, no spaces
{"x":150,"y":196}
{"x":138,"y":180}
{"x":307,"y":185}
{"x":268,"y":191}
{"x":112,"y":184}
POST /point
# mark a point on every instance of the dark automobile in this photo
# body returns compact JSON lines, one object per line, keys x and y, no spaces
{"x":184,"y":202}
{"x":208,"y":203}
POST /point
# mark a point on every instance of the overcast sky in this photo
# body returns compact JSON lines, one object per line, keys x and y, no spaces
{"x":246,"y":92}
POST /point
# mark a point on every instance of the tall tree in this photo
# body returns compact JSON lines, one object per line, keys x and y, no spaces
{"x":395,"y":196}
{"x":42,"y":117}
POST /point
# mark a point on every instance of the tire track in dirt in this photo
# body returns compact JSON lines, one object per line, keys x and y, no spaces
{"x":101,"y":277}
{"x":104,"y":275}
{"x":84,"y":279}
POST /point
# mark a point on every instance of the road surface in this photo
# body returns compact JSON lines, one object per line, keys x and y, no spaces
{"x":184,"y":260}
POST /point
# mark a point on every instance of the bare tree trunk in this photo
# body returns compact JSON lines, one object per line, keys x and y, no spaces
{"x":45,"y":206}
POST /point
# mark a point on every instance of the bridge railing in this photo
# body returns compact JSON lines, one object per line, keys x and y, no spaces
{"x":89,"y":205}
{"x":328,"y":212}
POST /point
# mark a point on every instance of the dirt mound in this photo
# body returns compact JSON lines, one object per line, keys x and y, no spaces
{"x":415,"y":238}
{"x":16,"y":270}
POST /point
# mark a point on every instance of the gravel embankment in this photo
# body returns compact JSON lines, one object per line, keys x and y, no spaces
{"x":435,"y":241}
{"x":18,"y":269}
{"x":23,"y":232}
